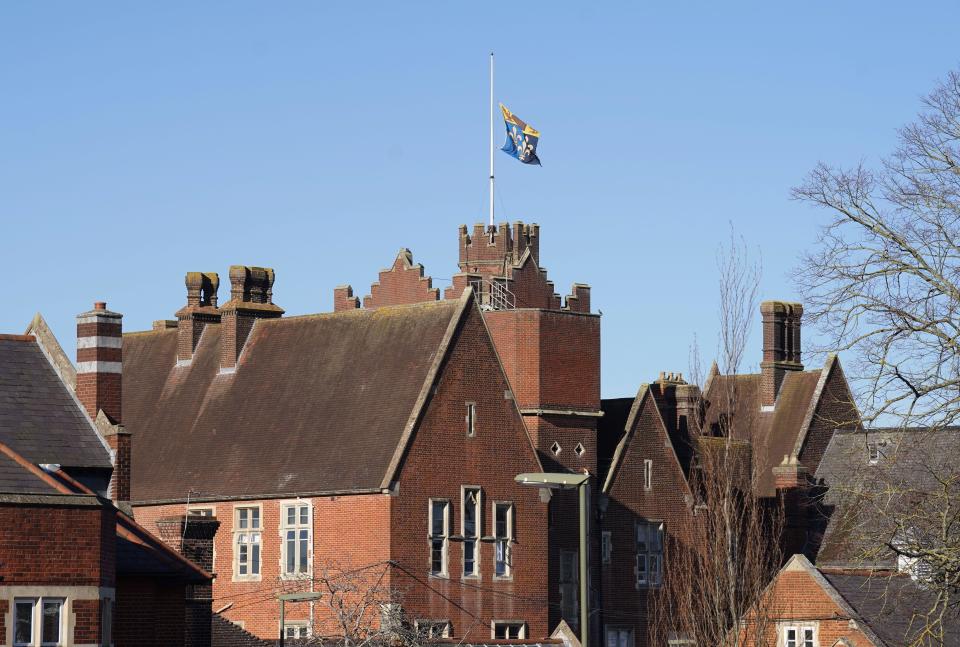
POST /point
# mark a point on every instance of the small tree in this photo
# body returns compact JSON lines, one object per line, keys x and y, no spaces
{"x":709,"y":588}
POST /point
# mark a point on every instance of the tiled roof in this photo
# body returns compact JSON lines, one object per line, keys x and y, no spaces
{"x":910,"y":460}
{"x":772,"y":434}
{"x":318,"y":403}
{"x":893,"y":606}
{"x":39,"y":419}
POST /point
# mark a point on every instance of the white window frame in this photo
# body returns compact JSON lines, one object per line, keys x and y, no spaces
{"x":520,"y":625}
{"x":473,"y":539}
{"x":470,"y":419}
{"x":249,"y":576}
{"x":504,"y":544}
{"x":873,"y":452}
{"x":800,"y":630}
{"x":618,"y":631}
{"x":429,"y":628}
{"x":36,"y":621}
{"x":201,"y":511}
{"x":296,"y":625}
{"x":298,"y":527}
{"x":648,"y":566}
{"x":606,"y":548}
{"x":648,"y":474}
{"x":445,"y":538}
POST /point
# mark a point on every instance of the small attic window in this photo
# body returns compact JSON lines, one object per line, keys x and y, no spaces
{"x":555,"y":448}
{"x":579,"y":449}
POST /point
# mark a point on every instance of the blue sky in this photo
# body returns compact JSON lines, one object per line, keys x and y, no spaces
{"x":139,"y":141}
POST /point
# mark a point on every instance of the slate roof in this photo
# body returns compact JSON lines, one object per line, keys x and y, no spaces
{"x":318,"y":403}
{"x":892,"y":606}
{"x":772,"y":434}
{"x":39,"y":419}
{"x":15,"y":479}
{"x":910,"y":460}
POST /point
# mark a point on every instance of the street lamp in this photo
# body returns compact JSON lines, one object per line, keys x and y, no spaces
{"x":562,"y":481}
{"x":308,"y":596}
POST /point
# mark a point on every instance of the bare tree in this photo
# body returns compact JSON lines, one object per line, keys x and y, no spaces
{"x":884,"y":282}
{"x":357,"y":607}
{"x":883,"y":278}
{"x":720,"y":576}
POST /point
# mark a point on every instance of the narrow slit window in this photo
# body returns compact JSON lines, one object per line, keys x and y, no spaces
{"x":471,"y":531}
{"x":647,"y":474}
{"x":471,"y":419}
{"x":503,"y":537}
{"x":438,"y":535}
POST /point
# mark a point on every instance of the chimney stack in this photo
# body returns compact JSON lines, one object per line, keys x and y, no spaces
{"x":99,"y":386}
{"x":251,"y":298}
{"x":781,"y":346}
{"x":201,"y":309}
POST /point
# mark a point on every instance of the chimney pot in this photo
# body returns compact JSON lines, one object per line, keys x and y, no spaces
{"x":251,"y":298}
{"x":201,"y":309}
{"x":99,"y":305}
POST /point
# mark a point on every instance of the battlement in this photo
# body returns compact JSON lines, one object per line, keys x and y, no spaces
{"x":488,"y":250}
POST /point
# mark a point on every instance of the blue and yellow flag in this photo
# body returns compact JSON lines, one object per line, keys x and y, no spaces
{"x":521,"y":138}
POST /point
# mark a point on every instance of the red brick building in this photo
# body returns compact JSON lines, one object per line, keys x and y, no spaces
{"x":382,"y":440}
{"x":74,"y":568}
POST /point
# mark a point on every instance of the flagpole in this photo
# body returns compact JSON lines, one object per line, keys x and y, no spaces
{"x":491,"y":140}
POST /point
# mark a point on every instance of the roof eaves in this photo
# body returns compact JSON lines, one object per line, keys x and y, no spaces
{"x":621,"y":449}
{"x":34,"y":470}
{"x":65,"y":370}
{"x":128,"y":528}
{"x":432,"y":376}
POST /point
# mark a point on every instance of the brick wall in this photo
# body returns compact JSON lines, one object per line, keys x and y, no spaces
{"x":441,"y":460}
{"x":836,"y":410}
{"x":401,"y":283}
{"x":149,"y":612}
{"x":797,"y":596}
{"x":629,"y":502}
{"x":72,"y":552}
{"x":345,"y":532}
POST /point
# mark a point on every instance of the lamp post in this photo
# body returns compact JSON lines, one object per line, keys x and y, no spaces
{"x":561,"y":481}
{"x":294,"y":597}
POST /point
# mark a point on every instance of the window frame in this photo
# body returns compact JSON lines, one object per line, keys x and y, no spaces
{"x":36,"y":605}
{"x":473,"y":539}
{"x":800,"y":630}
{"x":298,"y":527}
{"x":572,"y":588}
{"x":430,"y":625}
{"x":521,"y":625}
{"x":237,"y":532}
{"x":648,"y":475}
{"x":470,"y":419}
{"x":619,"y":629}
{"x":445,"y":538}
{"x":642,"y":577}
{"x":507,"y":540}
{"x":296,"y":625}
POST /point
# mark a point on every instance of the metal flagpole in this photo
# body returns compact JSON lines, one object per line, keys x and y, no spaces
{"x":491,"y":139}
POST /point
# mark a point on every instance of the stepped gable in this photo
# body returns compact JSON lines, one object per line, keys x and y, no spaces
{"x":401,"y":283}
{"x":316,"y":403}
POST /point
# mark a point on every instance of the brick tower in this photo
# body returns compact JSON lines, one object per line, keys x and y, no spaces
{"x":550,"y":350}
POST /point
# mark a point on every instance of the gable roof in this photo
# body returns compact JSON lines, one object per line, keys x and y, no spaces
{"x":644,"y":398}
{"x":18,"y":476}
{"x":40,"y":418}
{"x":772,"y":434}
{"x":319,"y":404}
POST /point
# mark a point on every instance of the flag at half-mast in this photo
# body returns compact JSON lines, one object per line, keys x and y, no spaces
{"x":521,"y":138}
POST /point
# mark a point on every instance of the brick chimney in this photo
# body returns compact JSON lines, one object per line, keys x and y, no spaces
{"x":100,"y":361}
{"x":251,"y":298}
{"x":781,"y":346}
{"x":99,"y":385}
{"x":200,"y":310}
